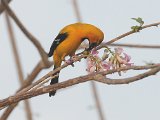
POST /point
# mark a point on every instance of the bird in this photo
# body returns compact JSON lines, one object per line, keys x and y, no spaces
{"x":67,"y":42}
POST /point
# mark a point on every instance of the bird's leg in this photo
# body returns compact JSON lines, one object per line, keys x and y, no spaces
{"x":71,"y":59}
{"x":74,"y":57}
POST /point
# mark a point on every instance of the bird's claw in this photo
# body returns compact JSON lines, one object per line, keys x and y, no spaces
{"x":74,"y":58}
{"x":70,"y":62}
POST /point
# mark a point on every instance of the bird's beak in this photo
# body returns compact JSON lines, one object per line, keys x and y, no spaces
{"x":91,"y":46}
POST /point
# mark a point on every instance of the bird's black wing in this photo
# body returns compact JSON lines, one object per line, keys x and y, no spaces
{"x":60,"y":38}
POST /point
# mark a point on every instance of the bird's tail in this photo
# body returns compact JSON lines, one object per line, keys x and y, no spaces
{"x":53,"y":81}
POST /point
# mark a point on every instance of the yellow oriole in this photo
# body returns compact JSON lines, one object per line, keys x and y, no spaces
{"x":68,"y":41}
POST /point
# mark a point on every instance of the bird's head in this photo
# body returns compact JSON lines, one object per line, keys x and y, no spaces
{"x":94,"y":35}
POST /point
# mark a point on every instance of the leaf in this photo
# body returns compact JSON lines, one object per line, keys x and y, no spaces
{"x":136,"y":28}
{"x":139,"y":20}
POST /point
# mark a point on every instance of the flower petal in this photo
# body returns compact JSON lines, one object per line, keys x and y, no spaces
{"x":127,"y":57}
{"x":106,"y":66}
{"x":118,"y":50}
{"x":94,"y":51}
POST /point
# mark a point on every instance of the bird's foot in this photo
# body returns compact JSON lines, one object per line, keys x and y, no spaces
{"x":71,"y":60}
{"x":74,"y":57}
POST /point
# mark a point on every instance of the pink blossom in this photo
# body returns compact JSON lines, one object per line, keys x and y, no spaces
{"x":118,"y":50}
{"x":124,"y":60}
{"x":106,"y":65}
{"x":127,"y":57}
{"x":91,"y":69}
{"x":94,"y":52}
{"x":112,"y":60}
{"x":121,"y":60}
{"x":90,"y":65}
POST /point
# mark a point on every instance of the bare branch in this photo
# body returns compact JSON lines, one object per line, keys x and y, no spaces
{"x":122,"y":36}
{"x":95,"y":76}
{"x":19,"y":67}
{"x":126,"y":34}
{"x":100,"y":78}
{"x":2,"y":7}
{"x":50,"y":74}
{"x":97,"y":100}
{"x":7,"y":111}
{"x":83,"y":46}
{"x":27,"y":33}
{"x":136,"y":45}
{"x":130,"y":32}
{"x":14,"y":49}
{"x":76,"y":9}
{"x":40,"y":66}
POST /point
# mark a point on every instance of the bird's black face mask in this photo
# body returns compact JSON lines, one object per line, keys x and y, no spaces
{"x":91,"y":46}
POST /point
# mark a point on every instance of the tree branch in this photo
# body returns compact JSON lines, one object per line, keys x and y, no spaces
{"x":83,"y":46}
{"x":27,"y":33}
{"x":102,"y":79}
{"x":94,"y":90}
{"x":38,"y":68}
{"x":97,"y":101}
{"x":94,"y":76}
{"x":2,"y":8}
{"x":131,"y":32}
{"x":19,"y":67}
{"x":76,"y":10}
{"x":126,"y":34}
{"x":136,"y":45}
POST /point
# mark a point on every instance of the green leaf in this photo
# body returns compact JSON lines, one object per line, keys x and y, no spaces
{"x":139,"y":20}
{"x":136,"y":28}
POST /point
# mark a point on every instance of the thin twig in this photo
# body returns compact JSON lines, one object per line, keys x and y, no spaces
{"x":70,"y":82}
{"x":76,"y":9}
{"x":83,"y":46}
{"x":51,"y":73}
{"x":129,"y":33}
{"x":42,"y":83}
{"x":38,"y":68}
{"x":103,"y":73}
{"x":136,"y":45}
{"x":97,"y":100}
{"x":27,"y":33}
{"x":14,"y":49}
{"x":18,"y":66}
{"x":2,"y":8}
{"x":109,"y":81}
{"x":122,"y":36}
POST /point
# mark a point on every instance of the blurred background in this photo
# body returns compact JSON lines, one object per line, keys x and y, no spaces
{"x":44,"y":19}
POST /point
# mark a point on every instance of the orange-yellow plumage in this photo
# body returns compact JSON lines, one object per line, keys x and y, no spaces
{"x":70,"y":38}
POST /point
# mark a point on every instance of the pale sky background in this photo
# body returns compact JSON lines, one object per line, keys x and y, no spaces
{"x":44,"y":18}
